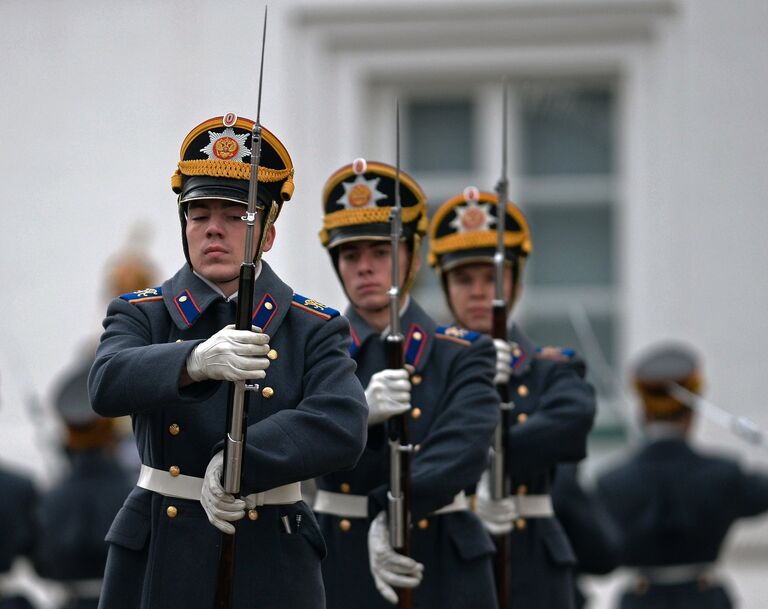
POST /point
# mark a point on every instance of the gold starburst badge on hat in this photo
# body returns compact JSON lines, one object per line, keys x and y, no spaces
{"x":361,"y":193}
{"x":473,"y":217}
{"x":226,"y":146}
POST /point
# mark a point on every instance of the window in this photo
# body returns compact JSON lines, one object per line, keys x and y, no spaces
{"x":563,"y":175}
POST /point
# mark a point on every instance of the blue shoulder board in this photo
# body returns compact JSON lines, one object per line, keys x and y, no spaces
{"x":457,"y":334}
{"x":313,"y":306}
{"x":558,"y":354}
{"x":145,"y":295}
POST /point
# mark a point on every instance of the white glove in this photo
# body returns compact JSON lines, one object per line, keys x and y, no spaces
{"x":387,"y":566}
{"x":221,"y":507}
{"x":498,"y":515}
{"x":388,"y":394}
{"x":503,"y":360}
{"x":230,"y":355}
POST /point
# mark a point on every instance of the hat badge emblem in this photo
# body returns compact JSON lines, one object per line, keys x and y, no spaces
{"x":361,"y":193}
{"x":226,"y":145}
{"x":473,"y":217}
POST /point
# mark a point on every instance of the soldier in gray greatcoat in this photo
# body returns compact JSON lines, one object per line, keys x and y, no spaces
{"x":552,"y":405}
{"x":674,"y":505}
{"x":164,"y":358}
{"x":449,"y":401}
{"x":75,"y":514}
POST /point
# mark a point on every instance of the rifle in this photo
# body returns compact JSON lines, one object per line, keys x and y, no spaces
{"x":399,"y":495}
{"x":239,"y":391}
{"x":500,"y":487}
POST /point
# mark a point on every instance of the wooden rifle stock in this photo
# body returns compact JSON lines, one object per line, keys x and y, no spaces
{"x":226,"y":568}
{"x":501,"y":559}
{"x":397,"y":428}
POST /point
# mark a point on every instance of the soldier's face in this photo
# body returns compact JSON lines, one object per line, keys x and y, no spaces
{"x":216,"y":240}
{"x":366,"y":271}
{"x":471,"y":288}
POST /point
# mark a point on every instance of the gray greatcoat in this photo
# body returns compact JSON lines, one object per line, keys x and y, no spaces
{"x":312,"y":422}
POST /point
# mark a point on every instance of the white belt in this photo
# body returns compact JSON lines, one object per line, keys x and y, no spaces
{"x":533,"y":506}
{"x":356,"y":506}
{"x":190,"y":487}
{"x":83,"y":588}
{"x":676,"y":574}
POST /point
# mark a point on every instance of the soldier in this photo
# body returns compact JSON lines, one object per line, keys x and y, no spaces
{"x":163,"y":356}
{"x":75,"y":514}
{"x":18,"y":499}
{"x":451,"y":408}
{"x":553,"y":407}
{"x":671,"y":536}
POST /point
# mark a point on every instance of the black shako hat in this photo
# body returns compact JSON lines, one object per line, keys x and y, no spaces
{"x":463,"y":231}
{"x":357,"y":204}
{"x":215,"y":163}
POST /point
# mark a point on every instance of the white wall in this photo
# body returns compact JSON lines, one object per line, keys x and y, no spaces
{"x":97,"y":96}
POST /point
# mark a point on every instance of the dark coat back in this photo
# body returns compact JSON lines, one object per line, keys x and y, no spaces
{"x":675,"y":506}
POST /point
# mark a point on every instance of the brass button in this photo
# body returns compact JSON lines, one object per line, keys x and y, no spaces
{"x":416,"y":379}
{"x":179,"y":340}
{"x":183,"y":299}
{"x":522,"y":391}
{"x":415,"y":412}
{"x":416,"y":448}
{"x":174,"y":470}
{"x":345,"y":525}
{"x":345,"y":488}
{"x":253,"y":514}
{"x":423,"y":523}
{"x":267,"y":392}
{"x":641,"y":586}
{"x":171,"y":511}
{"x":268,"y":306}
{"x":521,"y":523}
{"x":522,"y":417}
{"x":516,"y":352}
{"x":272,"y":354}
{"x":174,"y":429}
{"x":417,"y":336}
{"x":522,"y":489}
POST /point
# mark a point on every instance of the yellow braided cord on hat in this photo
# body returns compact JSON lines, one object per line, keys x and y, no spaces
{"x":474,"y":240}
{"x":231,"y":169}
{"x":657,"y":401}
{"x":372,"y":215}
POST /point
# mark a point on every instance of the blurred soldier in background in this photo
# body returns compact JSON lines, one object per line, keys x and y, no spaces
{"x":451,"y":406}
{"x":674,"y":505}
{"x":127,"y":271}
{"x":74,"y":515}
{"x":594,"y":537}
{"x":553,"y":406}
{"x":18,"y":500}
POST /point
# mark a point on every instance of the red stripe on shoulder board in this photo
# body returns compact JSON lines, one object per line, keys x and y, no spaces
{"x":147,"y":299}
{"x":311,"y":310}
{"x":454,"y":339}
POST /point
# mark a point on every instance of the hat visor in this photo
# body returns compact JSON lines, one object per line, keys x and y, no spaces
{"x":377,"y":231}
{"x":199,"y":188}
{"x":459,"y":258}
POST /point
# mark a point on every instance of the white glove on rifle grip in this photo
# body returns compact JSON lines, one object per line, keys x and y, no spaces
{"x":230,"y":355}
{"x":221,"y":507}
{"x":498,"y":516}
{"x":503,"y":360}
{"x":387,"y":566}
{"x":388,"y":394}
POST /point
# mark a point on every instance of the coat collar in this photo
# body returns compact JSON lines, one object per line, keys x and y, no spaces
{"x":523,"y":351}
{"x":418,"y":330}
{"x":187,"y":297}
